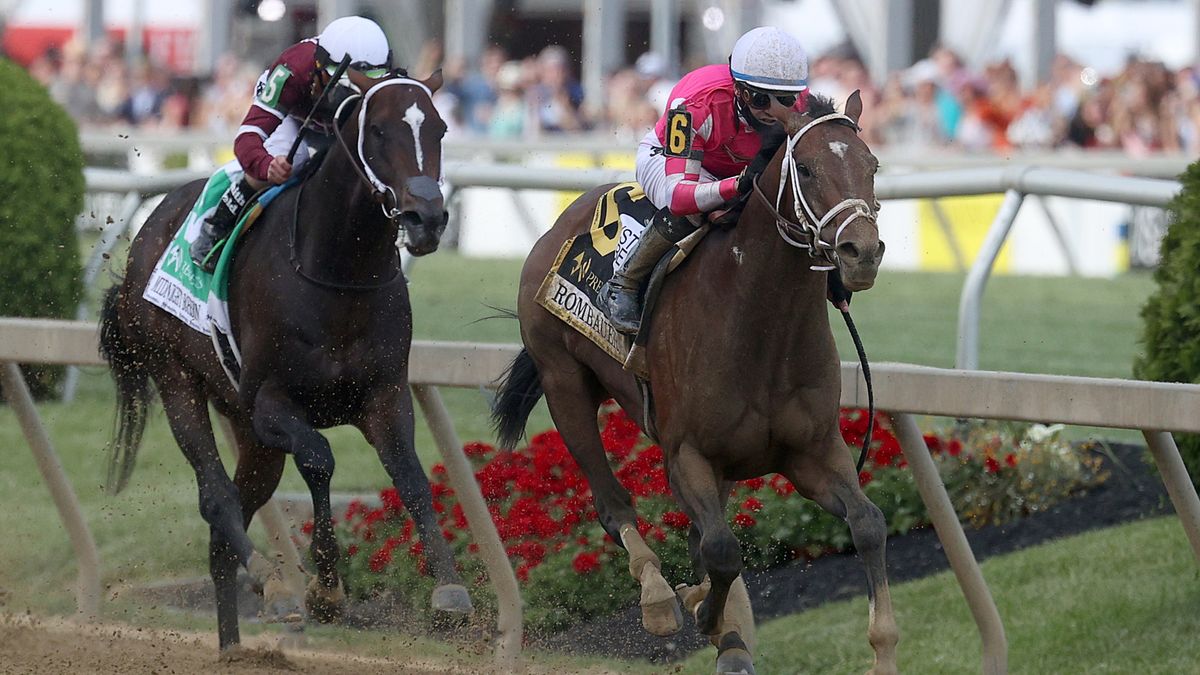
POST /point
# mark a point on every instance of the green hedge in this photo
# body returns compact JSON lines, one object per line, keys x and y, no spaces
{"x":1171,"y":336}
{"x":41,"y":193}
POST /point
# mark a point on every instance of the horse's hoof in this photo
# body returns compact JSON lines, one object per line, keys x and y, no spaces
{"x":735,"y":661}
{"x":733,"y":656}
{"x":661,"y":615}
{"x":280,"y":605}
{"x":452,"y":598}
{"x":326,"y":605}
{"x":662,"y":618}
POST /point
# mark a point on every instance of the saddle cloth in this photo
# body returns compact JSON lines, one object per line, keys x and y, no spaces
{"x":181,"y":288}
{"x":586,"y":262}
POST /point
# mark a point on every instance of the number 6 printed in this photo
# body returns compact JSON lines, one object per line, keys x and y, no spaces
{"x":679,"y":134}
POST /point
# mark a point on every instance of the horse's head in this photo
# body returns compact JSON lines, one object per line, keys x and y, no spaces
{"x":829,"y":173}
{"x":398,"y":134}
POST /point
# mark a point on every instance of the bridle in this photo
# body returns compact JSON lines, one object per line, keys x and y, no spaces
{"x":806,"y":234}
{"x":380,"y":191}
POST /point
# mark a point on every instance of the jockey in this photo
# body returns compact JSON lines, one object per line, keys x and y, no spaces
{"x":697,"y":157}
{"x":283,"y":97}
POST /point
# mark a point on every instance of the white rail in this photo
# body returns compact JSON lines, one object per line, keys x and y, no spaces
{"x":599,"y":146}
{"x":905,"y":390}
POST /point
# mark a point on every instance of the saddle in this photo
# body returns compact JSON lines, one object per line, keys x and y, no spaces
{"x":571,"y":288}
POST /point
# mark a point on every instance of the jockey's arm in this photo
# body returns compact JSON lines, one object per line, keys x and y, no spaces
{"x":687,"y":134}
{"x":280,"y":90}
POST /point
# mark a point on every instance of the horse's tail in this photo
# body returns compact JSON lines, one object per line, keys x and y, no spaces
{"x":520,"y":389}
{"x":133,"y":394}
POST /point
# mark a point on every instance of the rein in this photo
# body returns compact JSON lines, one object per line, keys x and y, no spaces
{"x":334,"y":285}
{"x":379,"y":190}
{"x":807,"y":235}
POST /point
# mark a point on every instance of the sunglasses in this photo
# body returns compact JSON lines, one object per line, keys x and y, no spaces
{"x":760,"y":100}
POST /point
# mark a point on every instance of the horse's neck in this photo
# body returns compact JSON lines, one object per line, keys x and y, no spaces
{"x":344,"y":236}
{"x":774,"y":287}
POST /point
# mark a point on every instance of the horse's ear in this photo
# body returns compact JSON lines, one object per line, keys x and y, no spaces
{"x":854,"y":106}
{"x":359,"y":80}
{"x":434,"y":81}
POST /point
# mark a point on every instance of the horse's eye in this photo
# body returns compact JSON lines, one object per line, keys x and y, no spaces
{"x":803,"y":171}
{"x":376,"y":130}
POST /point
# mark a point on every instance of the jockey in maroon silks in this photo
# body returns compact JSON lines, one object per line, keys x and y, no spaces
{"x":284,"y":96}
{"x":699,"y":155}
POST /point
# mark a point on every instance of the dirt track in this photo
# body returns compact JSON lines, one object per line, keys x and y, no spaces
{"x":34,"y":645}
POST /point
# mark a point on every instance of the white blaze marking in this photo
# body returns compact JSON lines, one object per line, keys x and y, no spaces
{"x":838,"y":148}
{"x":737,"y":254}
{"x":414,"y":117}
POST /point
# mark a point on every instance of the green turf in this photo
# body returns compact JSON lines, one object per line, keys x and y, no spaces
{"x":1074,"y":326}
{"x":1120,"y":600}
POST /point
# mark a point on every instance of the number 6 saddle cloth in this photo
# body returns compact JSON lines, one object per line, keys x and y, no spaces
{"x":586,"y":261}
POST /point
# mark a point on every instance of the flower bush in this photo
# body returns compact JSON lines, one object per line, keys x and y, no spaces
{"x":570,"y":569}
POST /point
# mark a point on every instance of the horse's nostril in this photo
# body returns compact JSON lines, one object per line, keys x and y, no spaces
{"x":848,"y":251}
{"x":879,"y":251}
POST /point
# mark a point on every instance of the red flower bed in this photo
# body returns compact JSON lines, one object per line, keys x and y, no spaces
{"x":542,"y":508}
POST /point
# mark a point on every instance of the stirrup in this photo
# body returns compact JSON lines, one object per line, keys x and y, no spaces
{"x":618,"y":313}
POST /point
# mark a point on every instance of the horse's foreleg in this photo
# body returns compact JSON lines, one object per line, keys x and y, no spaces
{"x":698,"y":491}
{"x":388,"y":425}
{"x":833,"y":484}
{"x":719,"y":603}
{"x":220,"y":504}
{"x":738,"y":616}
{"x":573,"y":400}
{"x":281,"y":424}
{"x":258,"y":472}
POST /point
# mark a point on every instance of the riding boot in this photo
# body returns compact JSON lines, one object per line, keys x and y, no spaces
{"x":218,"y":226}
{"x":620,"y":298}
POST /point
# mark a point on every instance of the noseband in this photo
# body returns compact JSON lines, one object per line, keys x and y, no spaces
{"x":806,"y":234}
{"x":380,"y":191}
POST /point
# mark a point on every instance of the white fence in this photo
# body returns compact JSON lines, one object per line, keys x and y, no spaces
{"x":904,"y":390}
{"x":1015,"y":182}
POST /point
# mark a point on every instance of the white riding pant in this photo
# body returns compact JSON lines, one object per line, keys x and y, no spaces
{"x":651,"y":174}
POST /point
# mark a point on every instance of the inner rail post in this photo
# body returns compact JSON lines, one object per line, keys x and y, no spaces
{"x":1179,"y":484}
{"x":462,"y":477}
{"x":87,"y":592}
{"x":954,"y":543}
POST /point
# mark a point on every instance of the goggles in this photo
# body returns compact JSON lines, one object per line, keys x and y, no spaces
{"x":371,"y":71}
{"x":761,"y":100}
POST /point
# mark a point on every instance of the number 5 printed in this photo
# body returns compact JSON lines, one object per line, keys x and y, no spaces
{"x":270,"y":89}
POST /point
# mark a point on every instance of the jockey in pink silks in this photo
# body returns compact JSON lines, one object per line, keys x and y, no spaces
{"x":696,"y":158}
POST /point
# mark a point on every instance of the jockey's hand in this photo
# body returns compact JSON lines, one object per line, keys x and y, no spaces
{"x":279,"y":170}
{"x":745,"y":181}
{"x":836,"y":291}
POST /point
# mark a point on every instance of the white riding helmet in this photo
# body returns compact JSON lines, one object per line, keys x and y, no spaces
{"x":768,"y":58}
{"x":359,"y":37}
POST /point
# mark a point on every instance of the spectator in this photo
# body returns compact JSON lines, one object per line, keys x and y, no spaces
{"x":509,"y":114}
{"x":556,"y":98}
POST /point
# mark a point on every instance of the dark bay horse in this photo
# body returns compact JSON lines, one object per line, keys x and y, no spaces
{"x":324,"y":327}
{"x":744,"y":372}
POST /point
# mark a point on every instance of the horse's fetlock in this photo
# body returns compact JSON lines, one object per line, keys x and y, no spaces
{"x":722,"y":557}
{"x":868,"y":527}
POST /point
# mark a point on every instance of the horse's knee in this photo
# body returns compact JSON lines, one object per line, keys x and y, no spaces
{"x":722,"y":555}
{"x":868,"y":526}
{"x":220,"y":506}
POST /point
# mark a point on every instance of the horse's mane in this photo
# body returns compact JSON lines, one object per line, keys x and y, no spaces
{"x":819,"y":105}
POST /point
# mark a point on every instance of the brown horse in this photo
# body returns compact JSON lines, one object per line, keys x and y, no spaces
{"x":321,"y":314}
{"x":744,"y":373}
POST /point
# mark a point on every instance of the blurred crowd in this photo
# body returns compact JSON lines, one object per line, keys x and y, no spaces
{"x":937,"y":103}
